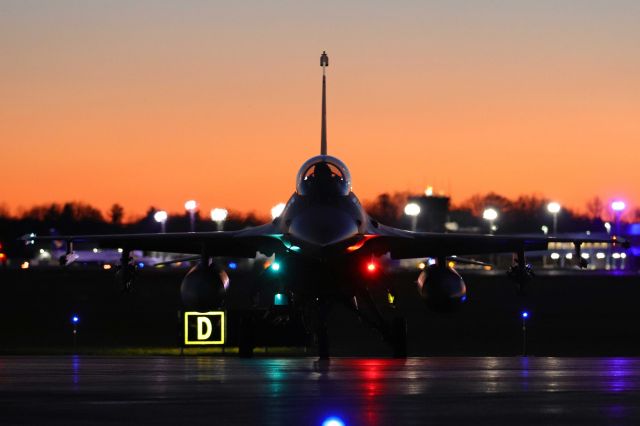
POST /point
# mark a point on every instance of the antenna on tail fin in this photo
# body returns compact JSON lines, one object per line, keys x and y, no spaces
{"x":324,"y":62}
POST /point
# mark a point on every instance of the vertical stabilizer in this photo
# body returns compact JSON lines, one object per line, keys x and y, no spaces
{"x":324,"y":63}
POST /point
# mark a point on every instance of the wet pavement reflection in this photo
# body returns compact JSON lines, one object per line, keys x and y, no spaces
{"x":349,"y":391}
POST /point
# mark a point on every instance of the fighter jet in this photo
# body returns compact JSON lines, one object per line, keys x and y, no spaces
{"x":331,"y":250}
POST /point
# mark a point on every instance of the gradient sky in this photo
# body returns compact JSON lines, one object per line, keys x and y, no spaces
{"x":154,"y":102}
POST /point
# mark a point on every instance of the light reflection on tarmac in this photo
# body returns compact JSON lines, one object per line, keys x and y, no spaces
{"x":303,"y":391}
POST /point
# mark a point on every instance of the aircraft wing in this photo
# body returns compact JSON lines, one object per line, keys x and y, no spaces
{"x":244,"y":243}
{"x":401,"y":244}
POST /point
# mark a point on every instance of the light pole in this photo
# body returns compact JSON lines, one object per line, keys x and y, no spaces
{"x":277,"y":210}
{"x":75,"y":319}
{"x":490,"y":215}
{"x":618,"y":207}
{"x":191,"y":206}
{"x":219,"y":216}
{"x":607,"y":226}
{"x":412,"y":210}
{"x":554,"y":209}
{"x":524,"y":316}
{"x":161,"y":217}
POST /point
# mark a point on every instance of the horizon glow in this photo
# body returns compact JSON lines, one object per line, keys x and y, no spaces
{"x":146,"y":104}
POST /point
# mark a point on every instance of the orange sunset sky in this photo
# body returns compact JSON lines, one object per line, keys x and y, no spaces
{"x":153,"y":102}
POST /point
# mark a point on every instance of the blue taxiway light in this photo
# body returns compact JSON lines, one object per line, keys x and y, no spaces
{"x":140,"y":265}
{"x":232,"y":265}
{"x":525,"y":314}
{"x":75,"y":319}
{"x":333,"y":421}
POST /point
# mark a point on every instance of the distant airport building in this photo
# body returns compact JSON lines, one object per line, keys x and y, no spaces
{"x":433,"y":213}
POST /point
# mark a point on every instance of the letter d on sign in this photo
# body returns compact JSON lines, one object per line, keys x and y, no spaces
{"x":204,"y":328}
{"x":204,"y":322}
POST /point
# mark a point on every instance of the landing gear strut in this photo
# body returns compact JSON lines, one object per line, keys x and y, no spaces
{"x":394,"y":332}
{"x":322,"y":331}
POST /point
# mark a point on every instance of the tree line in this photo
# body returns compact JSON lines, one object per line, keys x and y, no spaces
{"x":526,"y":213}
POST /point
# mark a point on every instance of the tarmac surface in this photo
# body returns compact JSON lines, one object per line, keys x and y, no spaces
{"x":303,"y":391}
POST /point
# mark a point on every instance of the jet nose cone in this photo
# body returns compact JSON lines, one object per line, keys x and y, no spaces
{"x":323,"y":226}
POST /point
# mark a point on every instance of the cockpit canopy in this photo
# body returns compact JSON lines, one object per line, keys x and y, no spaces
{"x":323,"y":176}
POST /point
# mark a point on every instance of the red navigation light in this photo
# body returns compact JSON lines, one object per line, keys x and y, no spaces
{"x":372,"y":267}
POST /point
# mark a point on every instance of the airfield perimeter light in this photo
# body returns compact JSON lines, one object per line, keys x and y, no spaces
{"x":618,"y":206}
{"x":161,"y":217}
{"x":412,"y":210}
{"x":554,"y":208}
{"x":490,"y":215}
{"x":219,"y":216}
{"x":277,"y":210}
{"x":191,"y":206}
